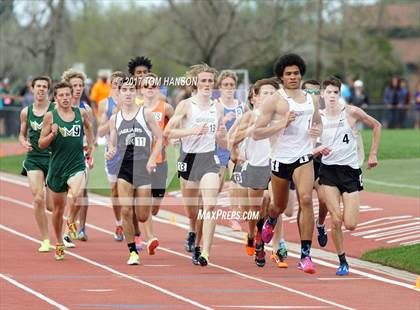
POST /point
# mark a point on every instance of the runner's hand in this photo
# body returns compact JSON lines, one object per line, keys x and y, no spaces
{"x":27,"y":145}
{"x":54,"y":129}
{"x":291,"y":116}
{"x":151,"y":166}
{"x":110,"y":153}
{"x":373,"y":161}
{"x":228,"y":117}
{"x":201,"y":130}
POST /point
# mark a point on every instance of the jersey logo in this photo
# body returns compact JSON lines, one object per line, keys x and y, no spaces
{"x":131,"y":139}
{"x":157,"y":116}
{"x":73,"y":132}
{"x":35,"y":125}
{"x":238,"y":112}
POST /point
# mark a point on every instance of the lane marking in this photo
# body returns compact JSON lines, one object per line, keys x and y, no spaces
{"x":116,"y":272}
{"x":33,"y":292}
{"x":243,"y":275}
{"x":270,"y":307}
{"x":399,"y":185}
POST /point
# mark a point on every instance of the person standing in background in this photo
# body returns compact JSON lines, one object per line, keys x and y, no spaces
{"x":100,"y":90}
{"x":392,"y":96}
{"x":360,"y":97}
{"x":403,"y":103}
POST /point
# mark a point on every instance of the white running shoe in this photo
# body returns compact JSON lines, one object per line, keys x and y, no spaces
{"x":67,"y":242}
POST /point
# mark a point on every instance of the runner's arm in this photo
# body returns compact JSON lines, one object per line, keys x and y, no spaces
{"x":87,"y":124}
{"x":103,"y":127}
{"x":169,"y":111}
{"x":48,"y":132}
{"x":243,"y":130}
{"x":157,"y":137}
{"x":112,"y":142}
{"x":368,"y":120}
{"x":172,"y":129}
{"x":265,"y":126}
{"x":23,"y":134}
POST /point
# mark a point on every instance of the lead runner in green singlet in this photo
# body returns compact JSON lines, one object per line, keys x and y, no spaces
{"x":37,"y":160}
{"x":63,"y":131}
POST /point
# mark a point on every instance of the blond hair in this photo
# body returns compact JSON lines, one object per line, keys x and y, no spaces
{"x":227,"y":74}
{"x":72,"y":73}
{"x":195,"y":70}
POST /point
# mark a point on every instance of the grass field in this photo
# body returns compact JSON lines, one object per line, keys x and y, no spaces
{"x":402,"y":257}
{"x":398,"y":171}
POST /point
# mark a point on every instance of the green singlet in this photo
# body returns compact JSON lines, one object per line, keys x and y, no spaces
{"x":37,"y":159}
{"x":67,"y":158}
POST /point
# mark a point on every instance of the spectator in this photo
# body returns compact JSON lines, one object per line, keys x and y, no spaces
{"x":359,"y":97}
{"x":100,"y":90}
{"x":392,"y":97}
{"x":26,"y":93}
{"x":417,"y":103}
{"x":403,"y":103}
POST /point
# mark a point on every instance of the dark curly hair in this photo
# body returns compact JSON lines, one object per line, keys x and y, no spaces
{"x":139,"y":61}
{"x":289,"y":60}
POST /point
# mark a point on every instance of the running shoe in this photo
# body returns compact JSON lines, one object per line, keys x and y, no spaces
{"x":59,"y":252}
{"x":45,"y":246}
{"x":152,"y":245}
{"x":343,"y":270}
{"x":67,"y":242}
{"x":203,"y":259}
{"x":267,"y":232}
{"x":234,"y":224}
{"x":133,"y":259}
{"x":190,"y":241}
{"x":307,"y":265}
{"x":118,"y":233}
{"x":322,"y":235}
{"x":279,"y":259}
{"x":72,"y":228}
{"x":82,"y":235}
{"x":282,"y":251}
{"x":259,"y":254}
{"x":139,"y":244}
{"x":250,"y":246}
{"x":195,"y":255}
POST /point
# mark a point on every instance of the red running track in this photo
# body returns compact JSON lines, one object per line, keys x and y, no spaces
{"x":95,"y":274}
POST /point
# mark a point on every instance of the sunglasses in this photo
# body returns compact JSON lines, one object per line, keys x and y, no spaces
{"x":312,"y":91}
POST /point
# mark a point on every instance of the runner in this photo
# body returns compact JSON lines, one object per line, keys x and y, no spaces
{"x":37,"y":160}
{"x":232,"y":110}
{"x":291,"y":155}
{"x":63,"y":129}
{"x":340,"y":175}
{"x":314,"y":88}
{"x":256,"y":168}
{"x":107,"y":108}
{"x":77,"y":81}
{"x":198,"y":122}
{"x":138,"y":67}
{"x":162,"y":112}
{"x":133,"y":132}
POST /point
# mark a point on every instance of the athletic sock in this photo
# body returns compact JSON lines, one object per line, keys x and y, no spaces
{"x":342,"y":258}
{"x":118,"y":223}
{"x":132,"y":247}
{"x":319,"y":225}
{"x":282,"y":243}
{"x":272,"y":220}
{"x":260,"y":225}
{"x":305,"y":248}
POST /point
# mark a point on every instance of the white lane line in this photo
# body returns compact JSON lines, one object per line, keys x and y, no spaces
{"x":35,"y":293}
{"x":240,"y":241}
{"x":404,"y":238}
{"x":399,"y":235}
{"x":118,"y":273}
{"x":367,"y":232}
{"x":394,"y":232}
{"x":270,"y":307}
{"x":399,"y":185}
{"x":243,"y":275}
{"x":412,"y":219}
{"x":383,"y":219}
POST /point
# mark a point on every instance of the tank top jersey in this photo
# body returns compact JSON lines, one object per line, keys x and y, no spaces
{"x":238,"y":110}
{"x":134,"y":137}
{"x":257,"y":152}
{"x":110,"y":107}
{"x":67,"y":146}
{"x":340,"y":138}
{"x":34,"y":124}
{"x":201,"y":143}
{"x":294,"y":141}
{"x":160,"y":117}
